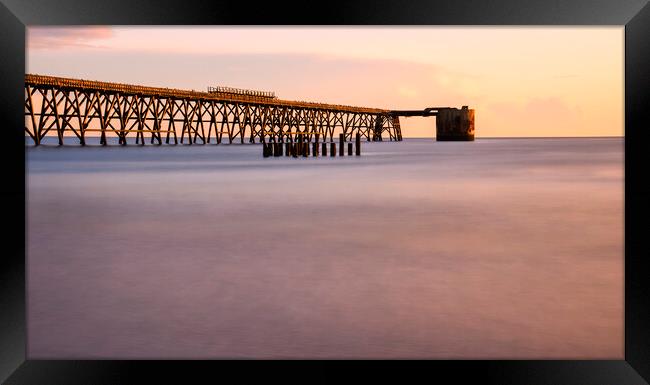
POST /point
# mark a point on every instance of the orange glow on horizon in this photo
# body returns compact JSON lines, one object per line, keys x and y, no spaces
{"x":522,"y":81}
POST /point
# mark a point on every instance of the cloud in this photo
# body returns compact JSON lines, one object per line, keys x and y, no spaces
{"x":56,"y":38}
{"x":407,"y":92}
{"x":550,"y":114}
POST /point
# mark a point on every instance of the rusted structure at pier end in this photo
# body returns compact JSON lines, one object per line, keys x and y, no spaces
{"x":71,"y":108}
{"x":452,"y":124}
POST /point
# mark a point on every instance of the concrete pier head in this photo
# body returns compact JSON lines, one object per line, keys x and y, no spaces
{"x":453,"y":124}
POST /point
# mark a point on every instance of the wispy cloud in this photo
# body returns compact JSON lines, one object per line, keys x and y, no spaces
{"x":548,"y":114}
{"x":53,"y":38}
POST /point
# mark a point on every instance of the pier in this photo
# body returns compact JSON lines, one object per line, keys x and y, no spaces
{"x":70,"y":109}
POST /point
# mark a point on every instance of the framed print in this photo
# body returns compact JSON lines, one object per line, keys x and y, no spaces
{"x":393,"y":190}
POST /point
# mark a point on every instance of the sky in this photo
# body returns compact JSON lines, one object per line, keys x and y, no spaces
{"x":521,"y":81}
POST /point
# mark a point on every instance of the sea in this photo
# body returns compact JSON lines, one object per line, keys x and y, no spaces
{"x":508,"y":248}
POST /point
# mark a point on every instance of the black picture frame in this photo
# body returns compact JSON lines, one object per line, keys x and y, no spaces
{"x":15,"y":15}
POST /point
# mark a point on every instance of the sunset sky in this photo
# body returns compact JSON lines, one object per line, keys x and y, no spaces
{"x":522,"y":81}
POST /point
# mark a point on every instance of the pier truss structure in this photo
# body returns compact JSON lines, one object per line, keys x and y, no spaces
{"x":74,"y":109}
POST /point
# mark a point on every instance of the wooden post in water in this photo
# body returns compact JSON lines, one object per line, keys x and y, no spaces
{"x":324,"y":147}
{"x":358,"y":143}
{"x":341,"y":142}
{"x":332,"y":149}
{"x":315,"y":149}
{"x":277,"y":149}
{"x":279,"y":152}
{"x":350,"y":149}
{"x":288,"y":149}
{"x":265,"y":150}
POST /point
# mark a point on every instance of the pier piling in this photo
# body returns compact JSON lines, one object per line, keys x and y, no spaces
{"x":358,"y":144}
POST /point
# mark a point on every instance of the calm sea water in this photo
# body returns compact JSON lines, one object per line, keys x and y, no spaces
{"x":498,"y":248}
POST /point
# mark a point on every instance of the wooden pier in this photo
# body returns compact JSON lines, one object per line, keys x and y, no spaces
{"x":71,"y":109}
{"x":57,"y":106}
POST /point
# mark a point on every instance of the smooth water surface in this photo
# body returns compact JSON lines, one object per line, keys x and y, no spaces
{"x":498,"y":248}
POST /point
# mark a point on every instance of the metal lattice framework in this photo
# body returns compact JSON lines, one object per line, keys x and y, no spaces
{"x":70,"y":108}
